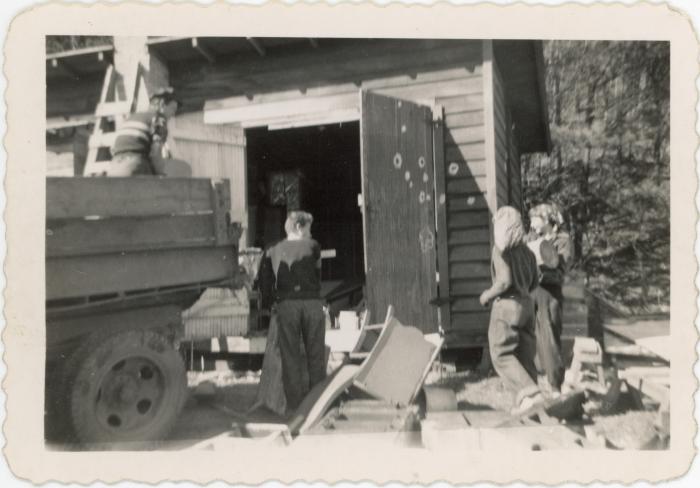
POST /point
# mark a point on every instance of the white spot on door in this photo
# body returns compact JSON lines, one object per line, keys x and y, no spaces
{"x":407,"y":175}
{"x":425,"y":177}
{"x":453,"y":168}
{"x":471,"y":201}
{"x":398,"y":161}
{"x":421,"y":197}
{"x":410,"y":184}
{"x":421,"y":162}
{"x":399,"y":104}
{"x":428,"y":197}
{"x":403,"y":129}
{"x":442,"y":199}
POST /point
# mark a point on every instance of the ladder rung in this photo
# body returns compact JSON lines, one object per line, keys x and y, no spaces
{"x":106,"y":109}
{"x":102,"y":140}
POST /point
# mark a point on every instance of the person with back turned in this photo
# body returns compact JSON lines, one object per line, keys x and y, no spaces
{"x":511,"y":331}
{"x":140,"y":144}
{"x":291,"y":275}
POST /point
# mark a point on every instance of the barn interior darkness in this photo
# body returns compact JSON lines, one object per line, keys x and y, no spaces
{"x":316,"y":169}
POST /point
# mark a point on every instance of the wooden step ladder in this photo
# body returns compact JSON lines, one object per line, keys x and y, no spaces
{"x":109,"y":114}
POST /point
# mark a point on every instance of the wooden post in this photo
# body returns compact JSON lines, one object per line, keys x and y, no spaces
{"x":133,"y":60}
{"x":490,"y":153}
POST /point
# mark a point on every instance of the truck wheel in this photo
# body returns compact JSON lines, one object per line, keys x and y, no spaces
{"x":129,"y":387}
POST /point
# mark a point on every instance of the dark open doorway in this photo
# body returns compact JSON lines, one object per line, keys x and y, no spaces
{"x":316,"y":169}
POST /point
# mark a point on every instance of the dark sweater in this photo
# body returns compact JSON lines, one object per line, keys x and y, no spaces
{"x":292,"y":270}
{"x":515,"y":270}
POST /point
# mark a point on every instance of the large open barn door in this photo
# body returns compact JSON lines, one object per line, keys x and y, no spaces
{"x":211,"y":151}
{"x":398,"y":209}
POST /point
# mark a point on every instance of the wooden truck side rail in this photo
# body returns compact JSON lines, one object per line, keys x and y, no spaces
{"x":111,"y":236}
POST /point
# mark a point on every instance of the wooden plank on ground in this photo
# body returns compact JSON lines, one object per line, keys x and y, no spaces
{"x":319,"y":399}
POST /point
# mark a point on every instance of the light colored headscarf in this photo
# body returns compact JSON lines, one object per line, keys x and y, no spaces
{"x":549,"y":212}
{"x":508,"y":230}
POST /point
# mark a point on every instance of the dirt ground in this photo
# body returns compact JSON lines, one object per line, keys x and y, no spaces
{"x":219,"y":399}
{"x":623,"y":426}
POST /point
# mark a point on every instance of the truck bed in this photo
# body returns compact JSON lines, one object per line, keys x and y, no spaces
{"x":120,"y":236}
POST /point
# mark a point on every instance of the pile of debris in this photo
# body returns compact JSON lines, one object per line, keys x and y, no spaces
{"x":398,"y":395}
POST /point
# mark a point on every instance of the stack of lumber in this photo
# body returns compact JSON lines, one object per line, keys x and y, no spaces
{"x":639,"y":349}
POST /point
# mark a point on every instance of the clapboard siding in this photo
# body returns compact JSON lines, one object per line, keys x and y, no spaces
{"x":516,"y":196}
{"x":465,"y":119}
{"x":469,"y":236}
{"x":462,"y":104}
{"x":213,"y":151}
{"x":467,"y":202}
{"x":467,"y":220}
{"x":469,"y":270}
{"x":476,"y":321}
{"x":459,"y":168}
{"x":463,"y":152}
{"x":466,"y":185}
{"x":470,"y":252}
{"x":469,"y":287}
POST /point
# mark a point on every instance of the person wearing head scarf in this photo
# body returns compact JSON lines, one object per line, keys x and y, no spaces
{"x":548,"y":358}
{"x":511,"y":333}
{"x":546,"y":222}
{"x":292,"y":278}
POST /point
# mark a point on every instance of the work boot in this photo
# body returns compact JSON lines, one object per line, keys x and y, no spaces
{"x":527,"y":403}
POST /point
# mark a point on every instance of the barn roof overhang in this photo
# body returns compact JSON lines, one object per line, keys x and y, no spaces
{"x":213,"y":49}
{"x":521,"y":64}
{"x":78,"y":63}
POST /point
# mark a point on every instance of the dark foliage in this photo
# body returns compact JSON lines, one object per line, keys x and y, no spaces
{"x":610,"y":164}
{"x":56,"y":44}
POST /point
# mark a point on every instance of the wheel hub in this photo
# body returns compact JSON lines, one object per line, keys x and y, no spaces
{"x":129,"y":395}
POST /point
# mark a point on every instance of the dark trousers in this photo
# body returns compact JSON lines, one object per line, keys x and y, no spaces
{"x":548,"y":328}
{"x":301,"y":320}
{"x":512,"y":344}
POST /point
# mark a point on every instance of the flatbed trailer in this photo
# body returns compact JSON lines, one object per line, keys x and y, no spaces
{"x":124,"y":258}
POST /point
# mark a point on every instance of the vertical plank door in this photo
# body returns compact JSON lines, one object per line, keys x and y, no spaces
{"x":214,"y":151}
{"x":398,"y":209}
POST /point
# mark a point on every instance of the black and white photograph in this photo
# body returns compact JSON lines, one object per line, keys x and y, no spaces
{"x":284,"y":237}
{"x":420,"y":246}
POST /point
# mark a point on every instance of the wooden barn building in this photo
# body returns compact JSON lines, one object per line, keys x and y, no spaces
{"x":401,"y":149}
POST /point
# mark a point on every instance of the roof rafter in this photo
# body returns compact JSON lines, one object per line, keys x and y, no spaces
{"x":203,"y":50}
{"x":256,"y":45}
{"x":56,"y":64}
